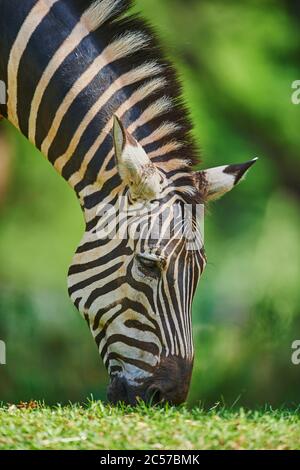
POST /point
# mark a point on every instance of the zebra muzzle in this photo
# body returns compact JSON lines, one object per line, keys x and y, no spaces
{"x":169,"y":383}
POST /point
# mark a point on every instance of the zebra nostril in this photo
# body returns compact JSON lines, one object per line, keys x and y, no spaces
{"x":155,"y":395}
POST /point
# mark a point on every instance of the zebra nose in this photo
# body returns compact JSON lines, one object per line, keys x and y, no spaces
{"x":155,"y":395}
{"x":163,"y":393}
{"x":171,"y":381}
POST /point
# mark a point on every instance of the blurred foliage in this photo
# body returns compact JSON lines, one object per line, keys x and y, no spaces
{"x":237,"y":61}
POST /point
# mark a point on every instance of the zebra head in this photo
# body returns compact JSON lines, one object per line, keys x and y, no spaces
{"x":135,"y":272}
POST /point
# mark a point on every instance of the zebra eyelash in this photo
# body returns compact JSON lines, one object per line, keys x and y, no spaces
{"x":151,"y":263}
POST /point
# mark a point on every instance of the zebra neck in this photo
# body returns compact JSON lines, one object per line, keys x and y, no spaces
{"x":54,"y":90}
{"x":69,"y":66}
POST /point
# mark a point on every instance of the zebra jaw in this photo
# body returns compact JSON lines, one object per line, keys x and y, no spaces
{"x":135,"y":167}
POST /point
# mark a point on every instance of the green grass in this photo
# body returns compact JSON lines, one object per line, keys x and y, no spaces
{"x":98,"y":426}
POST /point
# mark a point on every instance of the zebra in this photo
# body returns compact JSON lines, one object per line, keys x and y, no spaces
{"x":88,"y":85}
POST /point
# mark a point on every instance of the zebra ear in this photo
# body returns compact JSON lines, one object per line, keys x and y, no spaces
{"x":219,"y":180}
{"x":135,"y":167}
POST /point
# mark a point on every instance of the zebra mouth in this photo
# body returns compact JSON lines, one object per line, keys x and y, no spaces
{"x":120,"y":391}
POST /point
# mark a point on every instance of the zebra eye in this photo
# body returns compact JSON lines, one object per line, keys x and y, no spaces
{"x":150,"y":264}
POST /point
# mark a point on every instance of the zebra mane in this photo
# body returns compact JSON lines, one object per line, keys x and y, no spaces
{"x":167,"y":136}
{"x":101,"y":11}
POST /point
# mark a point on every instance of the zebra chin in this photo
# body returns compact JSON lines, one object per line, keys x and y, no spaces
{"x":169,"y":383}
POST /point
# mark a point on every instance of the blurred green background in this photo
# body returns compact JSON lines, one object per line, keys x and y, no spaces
{"x":237,"y":61}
